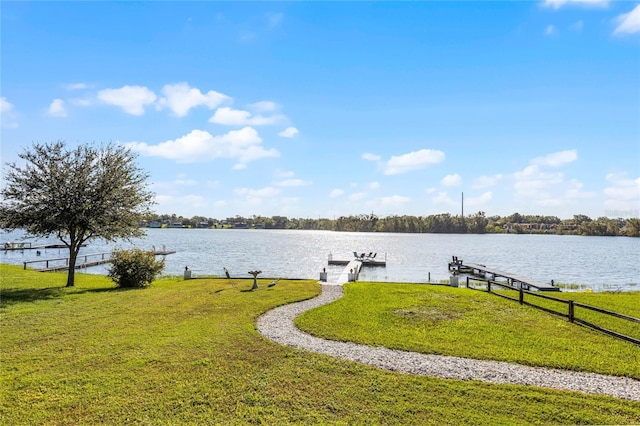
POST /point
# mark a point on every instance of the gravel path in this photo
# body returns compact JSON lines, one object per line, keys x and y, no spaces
{"x":278,"y":326}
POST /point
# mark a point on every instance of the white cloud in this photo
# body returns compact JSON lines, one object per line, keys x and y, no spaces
{"x":550,"y":30}
{"x":574,"y":191}
{"x":57,"y":108}
{"x":5,"y":105}
{"x":357,"y":196}
{"x":543,"y":188}
{"x":557,"y":158}
{"x":289,"y":132}
{"x":172,"y":186}
{"x":179,"y":204}
{"x":370,"y":157}
{"x":557,"y":4}
{"x":394,"y":201}
{"x":80,"y":102}
{"x":480,"y":200}
{"x":628,"y":23}
{"x":443,"y":198}
{"x":531,"y":182}
{"x":180,"y":98}
{"x":374,"y":185}
{"x":256,"y":196}
{"x":185,"y":182}
{"x":236,"y":117}
{"x":76,"y":86}
{"x":261,"y":193}
{"x":244,"y":145}
{"x":284,"y":174}
{"x":336,"y":193}
{"x":486,"y":181}
{"x":132,"y":99}
{"x":451,"y":180}
{"x":293,"y":182}
{"x":622,"y":188}
{"x":7,"y":112}
{"x":412,"y":161}
{"x":263,"y":106}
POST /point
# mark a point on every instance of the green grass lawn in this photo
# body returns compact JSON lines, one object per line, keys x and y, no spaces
{"x":474,"y":324}
{"x":187,"y":352}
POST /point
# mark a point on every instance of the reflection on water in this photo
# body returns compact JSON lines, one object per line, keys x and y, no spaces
{"x":599,"y":262}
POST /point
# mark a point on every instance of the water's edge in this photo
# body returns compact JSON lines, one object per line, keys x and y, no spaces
{"x":599,"y":263}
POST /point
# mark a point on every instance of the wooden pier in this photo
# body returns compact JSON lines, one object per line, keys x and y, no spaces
{"x":459,"y":266}
{"x":30,"y":246}
{"x":83,"y":261}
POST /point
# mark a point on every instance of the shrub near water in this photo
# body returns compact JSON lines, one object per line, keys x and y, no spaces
{"x":134,"y":268}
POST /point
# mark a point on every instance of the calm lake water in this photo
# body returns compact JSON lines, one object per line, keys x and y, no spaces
{"x":601,"y":263}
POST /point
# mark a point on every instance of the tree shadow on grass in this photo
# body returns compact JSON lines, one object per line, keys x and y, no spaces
{"x":13,"y":296}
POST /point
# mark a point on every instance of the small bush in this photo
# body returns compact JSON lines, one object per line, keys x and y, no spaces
{"x":134,"y":268}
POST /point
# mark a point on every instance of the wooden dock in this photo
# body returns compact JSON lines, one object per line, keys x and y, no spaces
{"x":30,"y":246}
{"x":83,"y":261}
{"x":462,"y":267}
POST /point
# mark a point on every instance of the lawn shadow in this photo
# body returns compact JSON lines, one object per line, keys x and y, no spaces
{"x":13,"y":296}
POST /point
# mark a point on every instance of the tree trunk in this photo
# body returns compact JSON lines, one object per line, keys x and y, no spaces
{"x":72,"y":267}
{"x":74,"y":248}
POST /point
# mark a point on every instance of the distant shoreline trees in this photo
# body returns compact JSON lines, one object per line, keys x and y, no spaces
{"x":445,"y":223}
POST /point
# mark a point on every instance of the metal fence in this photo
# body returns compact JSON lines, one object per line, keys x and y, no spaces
{"x":570,"y":306}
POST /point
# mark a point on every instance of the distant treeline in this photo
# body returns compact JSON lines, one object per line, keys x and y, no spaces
{"x":444,"y":223}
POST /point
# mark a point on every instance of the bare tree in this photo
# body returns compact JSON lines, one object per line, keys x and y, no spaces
{"x":89,"y":192}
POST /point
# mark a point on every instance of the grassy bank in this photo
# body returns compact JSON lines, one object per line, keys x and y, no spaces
{"x":474,"y":324}
{"x":188,"y":353}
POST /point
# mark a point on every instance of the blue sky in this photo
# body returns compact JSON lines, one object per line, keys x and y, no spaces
{"x":323,"y":109}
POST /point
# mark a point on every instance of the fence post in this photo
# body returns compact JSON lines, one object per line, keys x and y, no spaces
{"x":571,"y":311}
{"x":489,"y":286}
{"x":467,"y":282}
{"x":521,"y":296}
{"x":25,"y":265}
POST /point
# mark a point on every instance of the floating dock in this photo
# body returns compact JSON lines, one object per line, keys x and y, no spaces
{"x":352,"y":267}
{"x":477,"y":269}
{"x":370,"y":260}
